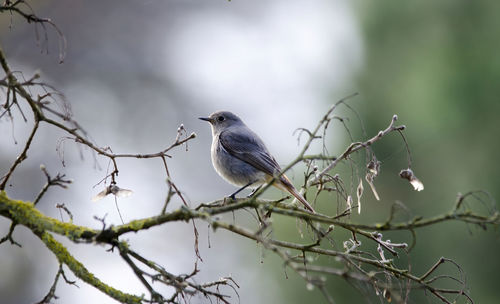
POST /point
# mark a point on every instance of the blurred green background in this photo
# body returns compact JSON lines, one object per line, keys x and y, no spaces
{"x":436,"y":64}
{"x":433,"y":63}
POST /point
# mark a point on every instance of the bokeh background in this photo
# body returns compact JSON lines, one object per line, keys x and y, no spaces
{"x":135,"y":70}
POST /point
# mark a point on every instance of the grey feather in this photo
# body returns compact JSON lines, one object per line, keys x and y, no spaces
{"x":245,"y":145}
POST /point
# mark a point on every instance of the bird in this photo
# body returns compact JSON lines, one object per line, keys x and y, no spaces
{"x":241,"y":158}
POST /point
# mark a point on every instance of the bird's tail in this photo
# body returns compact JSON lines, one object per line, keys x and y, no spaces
{"x":285,"y":184}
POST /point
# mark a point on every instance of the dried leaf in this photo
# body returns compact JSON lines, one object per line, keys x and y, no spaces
{"x":369,"y":180}
{"x":100,"y":195}
{"x":349,"y":202}
{"x":359,"y":193}
{"x":373,"y":169}
{"x":414,"y":181}
{"x":112,"y":189}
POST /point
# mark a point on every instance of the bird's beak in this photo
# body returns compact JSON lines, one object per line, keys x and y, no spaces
{"x":205,"y":119}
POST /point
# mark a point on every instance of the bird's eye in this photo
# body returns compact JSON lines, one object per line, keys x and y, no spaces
{"x":221,"y":118}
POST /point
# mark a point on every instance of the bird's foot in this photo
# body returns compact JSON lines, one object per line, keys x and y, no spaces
{"x":228,"y":200}
{"x":253,"y":191}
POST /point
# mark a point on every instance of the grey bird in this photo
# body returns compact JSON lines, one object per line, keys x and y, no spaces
{"x":241,"y":158}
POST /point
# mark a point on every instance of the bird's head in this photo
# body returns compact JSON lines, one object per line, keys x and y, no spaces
{"x":221,"y":120}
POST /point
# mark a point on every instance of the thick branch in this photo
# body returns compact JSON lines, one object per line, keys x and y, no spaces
{"x":79,"y":270}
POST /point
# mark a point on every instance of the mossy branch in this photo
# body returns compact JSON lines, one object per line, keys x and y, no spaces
{"x":64,"y":257}
{"x":25,"y":213}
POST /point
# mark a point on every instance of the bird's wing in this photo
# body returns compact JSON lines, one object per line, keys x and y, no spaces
{"x":248,"y":147}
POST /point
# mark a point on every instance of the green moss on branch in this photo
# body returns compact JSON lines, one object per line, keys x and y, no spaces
{"x":64,"y":257}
